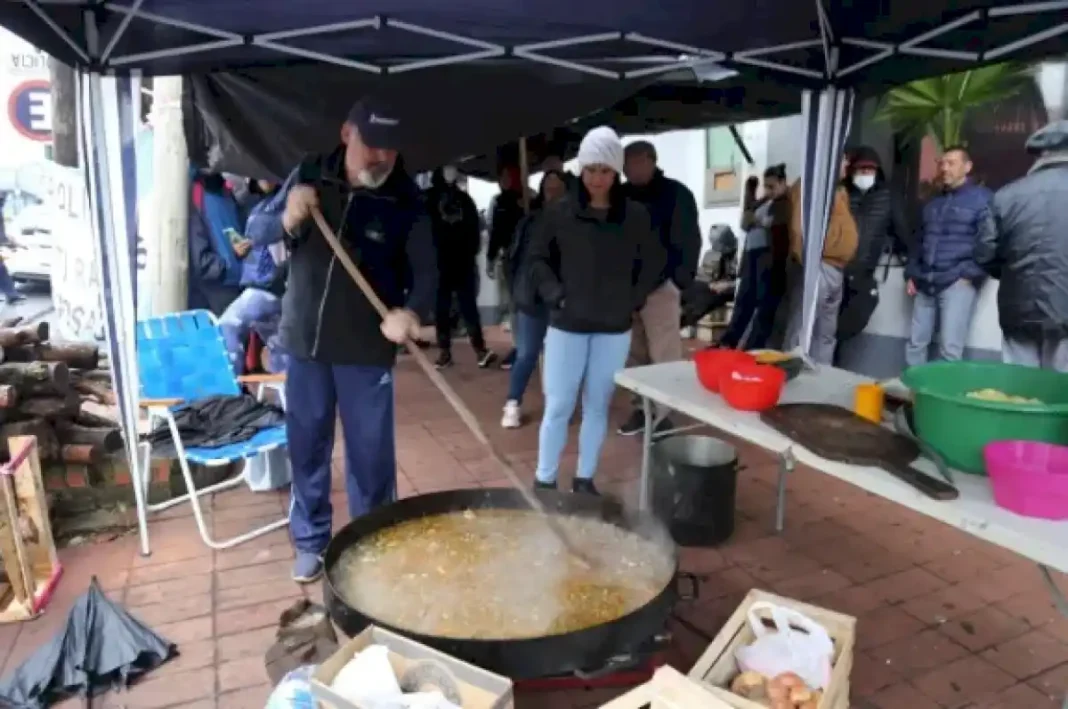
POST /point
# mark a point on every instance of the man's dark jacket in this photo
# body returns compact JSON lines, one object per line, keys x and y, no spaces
{"x":674,"y":214}
{"x":387,"y":233}
{"x":944,"y":253}
{"x":455,"y":223}
{"x":1024,"y":242}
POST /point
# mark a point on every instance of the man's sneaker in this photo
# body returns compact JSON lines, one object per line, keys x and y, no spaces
{"x":444,"y":360}
{"x":541,"y":485}
{"x":486,"y":358}
{"x":512,"y":418}
{"x":307,"y":568}
{"x":509,"y":360}
{"x":633,"y":425}
{"x":584,"y":486}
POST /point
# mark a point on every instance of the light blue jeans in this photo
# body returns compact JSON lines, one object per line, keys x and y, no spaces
{"x":950,"y":312}
{"x":575,"y":361}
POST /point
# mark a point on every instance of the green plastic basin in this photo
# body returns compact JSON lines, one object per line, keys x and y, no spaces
{"x":958,"y":426}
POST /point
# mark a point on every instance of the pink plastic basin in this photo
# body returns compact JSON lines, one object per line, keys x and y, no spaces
{"x":1029,"y":478}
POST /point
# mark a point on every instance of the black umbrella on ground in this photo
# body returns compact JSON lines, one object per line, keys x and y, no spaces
{"x":100,"y":647}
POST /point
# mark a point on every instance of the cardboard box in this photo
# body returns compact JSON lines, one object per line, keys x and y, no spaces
{"x":479,"y":688}
{"x":717,"y":666}
{"x":668,"y":689}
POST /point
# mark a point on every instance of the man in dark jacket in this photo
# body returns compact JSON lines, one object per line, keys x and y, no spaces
{"x":457,"y":237}
{"x":656,"y":337}
{"x":942,"y":276}
{"x":1024,"y":242}
{"x":341,"y":353}
{"x":881,"y":225}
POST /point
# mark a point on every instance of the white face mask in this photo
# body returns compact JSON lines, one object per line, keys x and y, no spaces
{"x":449,"y":173}
{"x":863,"y":182}
{"x":373,"y":179}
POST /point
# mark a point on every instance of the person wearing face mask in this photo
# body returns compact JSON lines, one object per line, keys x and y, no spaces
{"x":594,"y":259}
{"x":881,"y":227}
{"x":341,"y":353}
{"x":457,"y":237}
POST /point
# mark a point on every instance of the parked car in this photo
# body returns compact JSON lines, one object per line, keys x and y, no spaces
{"x":29,"y":253}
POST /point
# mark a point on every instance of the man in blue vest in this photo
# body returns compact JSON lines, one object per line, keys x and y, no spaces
{"x":943,"y":278}
{"x":341,"y":353}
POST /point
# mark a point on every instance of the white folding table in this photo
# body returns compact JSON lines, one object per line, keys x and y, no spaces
{"x":675,"y":386}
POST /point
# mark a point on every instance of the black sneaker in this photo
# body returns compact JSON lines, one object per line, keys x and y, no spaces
{"x":582,"y":486}
{"x":485,"y":358}
{"x":539,"y":485}
{"x":444,"y":360}
{"x":509,"y":360}
{"x":633,"y":425}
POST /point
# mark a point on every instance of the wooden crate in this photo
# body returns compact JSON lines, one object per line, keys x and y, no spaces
{"x":30,"y":562}
{"x":668,"y":689}
{"x":717,"y":666}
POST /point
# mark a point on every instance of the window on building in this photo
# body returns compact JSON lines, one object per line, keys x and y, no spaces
{"x":723,"y":168}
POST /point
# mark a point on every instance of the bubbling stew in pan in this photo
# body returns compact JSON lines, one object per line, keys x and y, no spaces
{"x":493,"y":574}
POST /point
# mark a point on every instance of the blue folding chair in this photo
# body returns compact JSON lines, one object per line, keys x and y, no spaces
{"x":181,"y":358}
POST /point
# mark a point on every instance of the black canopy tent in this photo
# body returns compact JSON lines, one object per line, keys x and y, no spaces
{"x":828,"y":48}
{"x":259,"y":122}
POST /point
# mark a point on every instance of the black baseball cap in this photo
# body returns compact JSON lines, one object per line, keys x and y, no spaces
{"x":378,"y":123}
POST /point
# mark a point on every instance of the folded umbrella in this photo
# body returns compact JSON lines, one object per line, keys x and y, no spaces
{"x":100,"y":647}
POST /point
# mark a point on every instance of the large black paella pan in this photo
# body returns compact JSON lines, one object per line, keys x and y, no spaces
{"x":529,"y":657}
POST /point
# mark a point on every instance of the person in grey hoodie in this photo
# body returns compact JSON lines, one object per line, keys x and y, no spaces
{"x":1024,"y":243}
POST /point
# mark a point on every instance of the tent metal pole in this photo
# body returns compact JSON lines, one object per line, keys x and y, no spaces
{"x":60,"y":32}
{"x":524,"y":174}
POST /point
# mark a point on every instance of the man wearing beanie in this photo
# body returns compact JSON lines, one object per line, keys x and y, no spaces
{"x":341,"y":353}
{"x":674,"y":215}
{"x":593,"y":260}
{"x":1024,"y":243}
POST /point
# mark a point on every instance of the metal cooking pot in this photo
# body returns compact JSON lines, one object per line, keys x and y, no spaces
{"x":587,"y":649}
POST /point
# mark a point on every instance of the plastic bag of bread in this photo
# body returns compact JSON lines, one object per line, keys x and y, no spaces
{"x":797,"y":645}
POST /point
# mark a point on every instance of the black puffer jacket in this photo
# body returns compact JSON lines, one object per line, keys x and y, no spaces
{"x":593,"y":271}
{"x":1024,"y":242}
{"x":881,"y":222}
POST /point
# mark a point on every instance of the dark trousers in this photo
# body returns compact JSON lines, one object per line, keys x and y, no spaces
{"x":315,"y":392}
{"x":463,"y":283}
{"x":758,"y":299}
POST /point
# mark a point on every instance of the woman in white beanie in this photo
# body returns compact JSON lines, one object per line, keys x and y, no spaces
{"x":593,"y":260}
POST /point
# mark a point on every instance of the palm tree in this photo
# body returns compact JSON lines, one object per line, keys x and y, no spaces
{"x":939,"y":106}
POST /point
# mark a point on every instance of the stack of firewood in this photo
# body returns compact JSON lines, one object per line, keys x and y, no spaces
{"x":57,"y":392}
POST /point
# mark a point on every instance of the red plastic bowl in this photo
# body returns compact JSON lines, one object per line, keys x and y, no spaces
{"x":752,"y":387}
{"x":711,"y":364}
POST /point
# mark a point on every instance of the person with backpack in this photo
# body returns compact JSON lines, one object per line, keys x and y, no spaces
{"x":215,"y":246}
{"x":531,"y":315}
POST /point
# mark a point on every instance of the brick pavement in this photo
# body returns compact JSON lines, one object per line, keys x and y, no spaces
{"x":946,"y":621}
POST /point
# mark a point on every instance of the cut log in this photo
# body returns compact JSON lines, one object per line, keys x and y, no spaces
{"x":47,"y":444}
{"x":92,"y":420}
{"x":81,"y":453}
{"x":101,"y":411}
{"x":75,"y":354}
{"x":109,"y":439}
{"x":98,"y":392}
{"x":101,"y":376}
{"x":24,"y":375}
{"x":28,"y":335}
{"x":50,"y":407}
{"x":8,"y":396}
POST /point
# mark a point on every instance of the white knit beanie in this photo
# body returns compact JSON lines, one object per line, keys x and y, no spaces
{"x":601,"y":146}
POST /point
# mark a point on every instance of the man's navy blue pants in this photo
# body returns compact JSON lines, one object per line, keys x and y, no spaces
{"x":315,"y":393}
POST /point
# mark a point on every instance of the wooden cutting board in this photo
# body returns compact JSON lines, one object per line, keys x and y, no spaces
{"x":838,"y":434}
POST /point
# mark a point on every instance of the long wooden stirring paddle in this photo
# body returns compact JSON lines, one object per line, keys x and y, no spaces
{"x":448,"y":392}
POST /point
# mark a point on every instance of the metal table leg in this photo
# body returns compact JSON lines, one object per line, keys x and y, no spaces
{"x":647,"y":442}
{"x":1059,"y":601}
{"x":787,"y":461}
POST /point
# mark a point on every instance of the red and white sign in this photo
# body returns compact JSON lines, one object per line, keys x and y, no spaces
{"x":29,"y":108}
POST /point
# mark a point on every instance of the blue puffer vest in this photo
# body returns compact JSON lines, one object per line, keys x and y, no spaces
{"x":944,"y":253}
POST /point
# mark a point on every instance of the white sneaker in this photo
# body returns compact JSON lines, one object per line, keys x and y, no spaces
{"x":512,"y":417}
